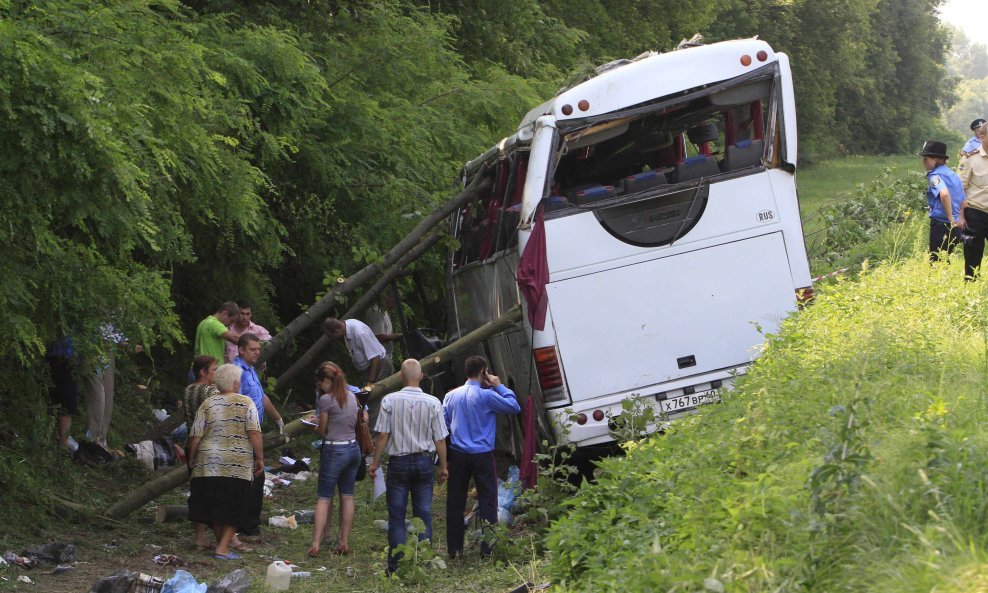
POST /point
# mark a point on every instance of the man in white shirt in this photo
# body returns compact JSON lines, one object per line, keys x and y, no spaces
{"x":412,"y":429}
{"x":366,"y":351}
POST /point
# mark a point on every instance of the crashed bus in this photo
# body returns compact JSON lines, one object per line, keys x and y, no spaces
{"x":647,"y":222}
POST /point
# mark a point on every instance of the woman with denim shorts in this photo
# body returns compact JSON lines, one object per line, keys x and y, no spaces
{"x":339,"y":457}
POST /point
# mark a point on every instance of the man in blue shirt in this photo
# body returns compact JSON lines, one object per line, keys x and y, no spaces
{"x":944,"y":196}
{"x":471,"y":415}
{"x":249,"y":348}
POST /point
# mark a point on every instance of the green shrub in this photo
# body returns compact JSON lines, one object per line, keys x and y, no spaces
{"x":850,"y":458}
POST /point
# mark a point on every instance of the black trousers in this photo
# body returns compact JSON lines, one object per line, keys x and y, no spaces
{"x":943,"y":237}
{"x":463,"y":466}
{"x":974,"y":247}
{"x":252,"y":525}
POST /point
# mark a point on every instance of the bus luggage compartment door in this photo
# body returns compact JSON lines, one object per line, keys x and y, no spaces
{"x":632,"y":327}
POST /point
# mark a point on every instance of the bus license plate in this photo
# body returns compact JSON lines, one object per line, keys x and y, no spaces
{"x":686,"y":402}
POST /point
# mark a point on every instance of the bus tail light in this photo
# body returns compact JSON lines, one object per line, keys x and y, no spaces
{"x":762,"y":55}
{"x":804,"y":296}
{"x":746,"y":60}
{"x":550,"y":375}
{"x":547,"y":364}
{"x":598,"y":415}
{"x":581,"y":419}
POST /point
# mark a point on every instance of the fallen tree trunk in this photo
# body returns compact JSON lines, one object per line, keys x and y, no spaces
{"x":308,"y":359}
{"x":480,"y":184}
{"x":502,"y":323}
{"x":170,"y":513}
{"x":180,"y":475}
{"x":149,"y":491}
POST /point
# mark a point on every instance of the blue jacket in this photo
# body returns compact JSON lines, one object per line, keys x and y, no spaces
{"x":941,"y":177}
{"x":250,"y":385}
{"x":973,"y":143}
{"x":471,"y":415}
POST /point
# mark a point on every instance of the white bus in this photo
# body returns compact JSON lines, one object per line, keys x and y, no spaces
{"x":664,"y":189}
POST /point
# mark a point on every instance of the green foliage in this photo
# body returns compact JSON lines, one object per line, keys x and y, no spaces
{"x":418,"y":558}
{"x":850,"y":227}
{"x":847,"y":459}
{"x":632,"y":423}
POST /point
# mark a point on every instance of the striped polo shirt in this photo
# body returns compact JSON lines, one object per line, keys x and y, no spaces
{"x":413,"y":419}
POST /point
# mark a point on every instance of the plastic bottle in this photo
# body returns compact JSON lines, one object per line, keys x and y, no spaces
{"x":301,"y":574}
{"x":279,"y":576}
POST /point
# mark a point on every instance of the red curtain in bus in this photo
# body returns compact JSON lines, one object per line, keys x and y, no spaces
{"x":533,"y":273}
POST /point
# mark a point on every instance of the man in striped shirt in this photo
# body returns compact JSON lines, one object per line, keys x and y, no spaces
{"x":411,"y":427}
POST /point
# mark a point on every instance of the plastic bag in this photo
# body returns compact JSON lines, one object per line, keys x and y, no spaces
{"x":235,"y":582}
{"x":183,"y":582}
{"x":507,"y":491}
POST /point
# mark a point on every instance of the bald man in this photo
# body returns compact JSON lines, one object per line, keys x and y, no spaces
{"x":411,"y":428}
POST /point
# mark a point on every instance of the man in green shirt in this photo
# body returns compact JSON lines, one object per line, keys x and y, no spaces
{"x":212,"y":332}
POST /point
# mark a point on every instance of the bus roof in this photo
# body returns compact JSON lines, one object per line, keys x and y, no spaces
{"x":642,"y":80}
{"x":656,"y":75}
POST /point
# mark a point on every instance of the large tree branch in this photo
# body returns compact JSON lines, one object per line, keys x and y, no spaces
{"x":480,"y":184}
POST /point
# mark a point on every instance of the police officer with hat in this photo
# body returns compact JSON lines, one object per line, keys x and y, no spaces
{"x":943,"y":195}
{"x":974,"y":142}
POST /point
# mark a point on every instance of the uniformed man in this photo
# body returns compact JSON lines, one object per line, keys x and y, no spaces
{"x":944,"y":196}
{"x":974,"y":209}
{"x":974,"y":142}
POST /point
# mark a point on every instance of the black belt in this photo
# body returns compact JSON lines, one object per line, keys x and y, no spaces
{"x":422,"y":454}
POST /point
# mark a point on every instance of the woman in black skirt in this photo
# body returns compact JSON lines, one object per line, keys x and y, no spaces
{"x":225,"y":453}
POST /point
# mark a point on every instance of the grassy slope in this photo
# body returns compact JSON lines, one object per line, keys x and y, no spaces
{"x":850,"y":459}
{"x":826,"y":181}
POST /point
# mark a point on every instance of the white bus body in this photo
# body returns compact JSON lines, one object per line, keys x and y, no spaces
{"x":672,"y":234}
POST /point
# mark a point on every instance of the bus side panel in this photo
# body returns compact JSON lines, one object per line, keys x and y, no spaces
{"x":636,"y":326}
{"x":784,"y":189}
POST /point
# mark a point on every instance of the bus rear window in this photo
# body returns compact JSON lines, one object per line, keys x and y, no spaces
{"x":698,"y":138}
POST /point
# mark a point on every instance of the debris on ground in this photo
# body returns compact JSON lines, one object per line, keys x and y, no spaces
{"x":287,"y":521}
{"x":183,"y":582}
{"x":168,"y":560}
{"x":237,"y":581}
{"x":25,"y":579}
{"x":51,"y":553}
{"x":22,"y":561}
{"x":62,"y":568}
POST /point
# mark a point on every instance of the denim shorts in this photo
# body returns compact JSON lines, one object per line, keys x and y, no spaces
{"x":338,"y":467}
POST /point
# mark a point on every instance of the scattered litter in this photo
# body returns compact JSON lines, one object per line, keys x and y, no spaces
{"x":279,"y":481}
{"x":302,"y":574}
{"x":161,"y":414}
{"x":183,"y":582}
{"x":350,"y":572}
{"x":51,"y":553}
{"x":72,"y":445}
{"x":152,"y":547}
{"x":279,"y":575}
{"x":168,"y":560}
{"x":323,"y":569}
{"x":382,"y":524}
{"x":12,"y":558}
{"x":305,"y":517}
{"x":283,"y":521}
{"x":25,"y":579}
{"x":112,"y":545}
{"x":302,"y":476}
{"x":121,"y":582}
{"x":286,"y":460}
{"x":530,"y":587}
{"x":146,"y":583}
{"x":62,"y":568}
{"x":235,"y":582}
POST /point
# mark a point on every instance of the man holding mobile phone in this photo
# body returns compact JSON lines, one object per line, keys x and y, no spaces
{"x":471,"y":415}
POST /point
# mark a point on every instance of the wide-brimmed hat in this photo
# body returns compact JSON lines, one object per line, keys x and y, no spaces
{"x":977,"y":124}
{"x":934,"y":148}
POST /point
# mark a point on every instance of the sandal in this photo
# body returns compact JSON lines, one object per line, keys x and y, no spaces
{"x":230,"y":556}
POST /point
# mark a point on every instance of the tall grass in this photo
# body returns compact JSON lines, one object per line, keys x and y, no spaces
{"x":851,"y":458}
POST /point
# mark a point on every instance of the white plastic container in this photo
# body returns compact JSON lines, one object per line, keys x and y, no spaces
{"x":279,"y":576}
